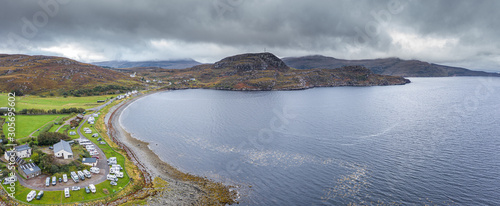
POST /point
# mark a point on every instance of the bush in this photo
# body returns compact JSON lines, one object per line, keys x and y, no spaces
{"x":50,"y":138}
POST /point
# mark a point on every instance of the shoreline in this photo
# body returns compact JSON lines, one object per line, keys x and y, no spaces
{"x":183,"y":188}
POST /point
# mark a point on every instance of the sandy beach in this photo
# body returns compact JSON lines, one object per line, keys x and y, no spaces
{"x":192,"y":191}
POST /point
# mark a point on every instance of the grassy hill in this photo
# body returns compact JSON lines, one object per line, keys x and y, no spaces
{"x":58,"y":75}
{"x":264,"y":71}
{"x":387,"y":66}
{"x":170,"y":64}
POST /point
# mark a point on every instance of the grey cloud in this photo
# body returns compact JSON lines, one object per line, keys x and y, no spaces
{"x":344,"y":28}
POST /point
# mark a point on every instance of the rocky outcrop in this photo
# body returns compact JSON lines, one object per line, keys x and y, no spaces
{"x":250,"y":62}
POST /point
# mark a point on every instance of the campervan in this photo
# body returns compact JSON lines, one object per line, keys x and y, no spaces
{"x":111,"y":177}
{"x":66,"y":192}
{"x":119,"y":174}
{"x":112,"y":161}
{"x":74,"y":176}
{"x":92,"y":188}
{"x":87,"y":174}
{"x":31,"y":196}
{"x":81,"y":175}
{"x":95,"y":170}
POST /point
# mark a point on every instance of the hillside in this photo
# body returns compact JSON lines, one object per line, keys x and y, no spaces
{"x":265,"y":71}
{"x":58,"y":75}
{"x":172,"y":64}
{"x":387,"y":66}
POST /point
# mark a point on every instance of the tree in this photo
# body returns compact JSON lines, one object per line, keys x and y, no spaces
{"x":50,"y":138}
{"x":54,"y":169}
{"x":35,"y":157}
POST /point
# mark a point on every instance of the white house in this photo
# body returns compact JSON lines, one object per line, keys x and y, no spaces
{"x":21,"y":151}
{"x":63,"y":149}
{"x":90,"y":161}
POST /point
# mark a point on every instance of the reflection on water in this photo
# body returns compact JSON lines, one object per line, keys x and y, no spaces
{"x":434,"y":141}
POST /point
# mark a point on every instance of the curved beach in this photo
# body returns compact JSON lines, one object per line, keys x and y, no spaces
{"x":183,"y":189}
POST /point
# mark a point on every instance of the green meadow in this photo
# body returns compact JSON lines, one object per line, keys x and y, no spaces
{"x":26,"y":124}
{"x":56,"y":102}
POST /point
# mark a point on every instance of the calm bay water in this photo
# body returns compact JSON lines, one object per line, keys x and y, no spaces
{"x":434,"y":141}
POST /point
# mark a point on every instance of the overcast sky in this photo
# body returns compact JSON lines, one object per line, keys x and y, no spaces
{"x":459,"y":33}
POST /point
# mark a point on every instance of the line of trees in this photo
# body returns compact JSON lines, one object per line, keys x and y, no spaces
{"x":51,"y":111}
{"x":50,"y":138}
{"x":98,"y":90}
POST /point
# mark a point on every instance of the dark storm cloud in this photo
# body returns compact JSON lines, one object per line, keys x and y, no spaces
{"x":440,"y":31}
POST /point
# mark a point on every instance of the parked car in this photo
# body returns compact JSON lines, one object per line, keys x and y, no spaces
{"x":50,"y":147}
{"x":75,"y":188}
{"x":113,"y":183}
{"x":40,"y":195}
{"x":99,"y":139}
{"x":54,"y":180}
{"x":60,"y":180}
{"x":65,"y":178}
{"x":47,"y":182}
{"x":87,"y":190}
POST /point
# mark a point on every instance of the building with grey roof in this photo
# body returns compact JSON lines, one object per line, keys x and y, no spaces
{"x":63,"y":149}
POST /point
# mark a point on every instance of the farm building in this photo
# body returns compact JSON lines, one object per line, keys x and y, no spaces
{"x":63,"y":149}
{"x":90,"y":161}
{"x":29,"y":170}
{"x":79,"y":117}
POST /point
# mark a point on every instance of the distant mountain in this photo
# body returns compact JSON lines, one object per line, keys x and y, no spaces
{"x":265,"y":71}
{"x":387,"y":66}
{"x":171,"y":64}
{"x":57,"y":75}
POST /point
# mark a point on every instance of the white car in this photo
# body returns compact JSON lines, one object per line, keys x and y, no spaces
{"x":75,"y":188}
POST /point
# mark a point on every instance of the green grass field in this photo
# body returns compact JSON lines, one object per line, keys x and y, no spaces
{"x":26,"y":124}
{"x":36,"y":102}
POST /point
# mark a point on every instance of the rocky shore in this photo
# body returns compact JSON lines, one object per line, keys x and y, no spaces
{"x":183,"y":189}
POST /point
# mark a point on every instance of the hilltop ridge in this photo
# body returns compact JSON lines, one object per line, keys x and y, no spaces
{"x":385,"y":66}
{"x":57,"y":75}
{"x":265,"y":71}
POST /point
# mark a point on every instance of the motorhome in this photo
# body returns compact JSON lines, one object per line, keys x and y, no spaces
{"x":119,"y":174}
{"x":111,"y":177}
{"x":65,"y":178}
{"x":81,"y":175}
{"x":66,"y":192}
{"x":95,"y":170}
{"x":31,"y":196}
{"x":117,"y":167}
{"x":74,"y":176}
{"x":87,"y":174}
{"x":92,"y":188}
{"x":112,"y":161}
